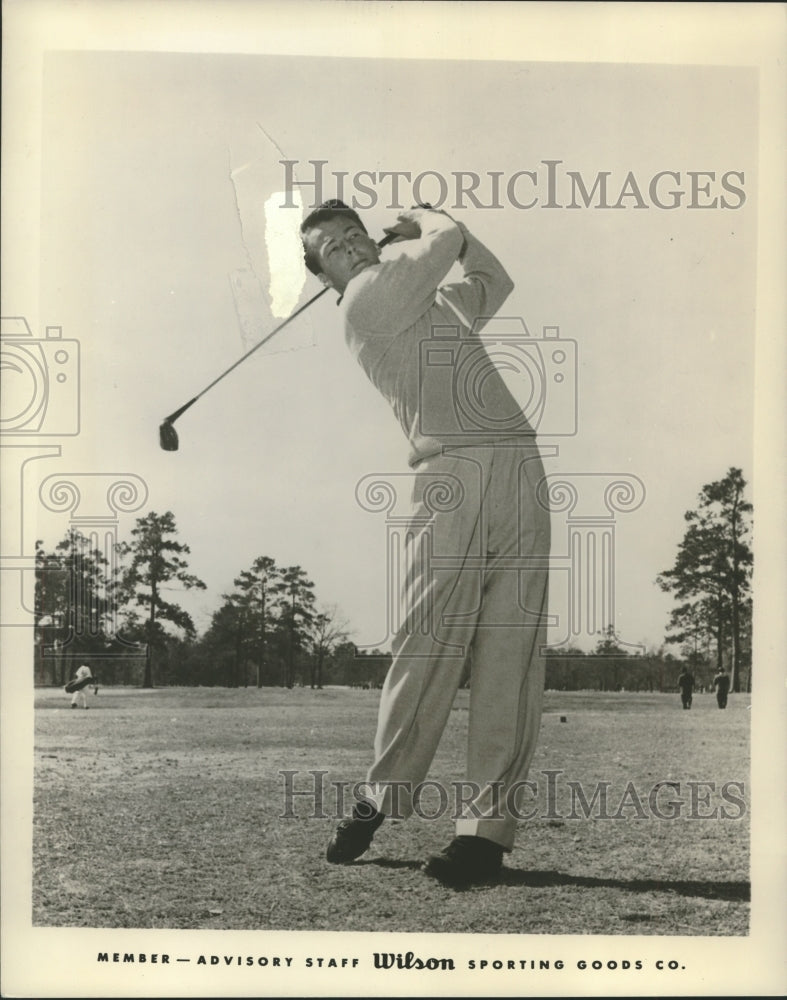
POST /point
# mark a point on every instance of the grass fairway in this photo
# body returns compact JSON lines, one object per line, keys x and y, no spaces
{"x":162,"y":809}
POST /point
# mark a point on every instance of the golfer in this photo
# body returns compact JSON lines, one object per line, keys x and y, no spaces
{"x":475,"y":590}
{"x":79,"y":697}
{"x":686,"y":686}
{"x":721,"y":685}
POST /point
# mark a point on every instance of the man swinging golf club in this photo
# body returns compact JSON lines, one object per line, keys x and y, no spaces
{"x":474,"y":501}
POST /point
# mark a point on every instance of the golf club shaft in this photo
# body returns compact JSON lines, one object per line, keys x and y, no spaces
{"x":174,"y":416}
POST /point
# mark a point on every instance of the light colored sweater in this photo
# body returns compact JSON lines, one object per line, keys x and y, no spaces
{"x":417,"y":341}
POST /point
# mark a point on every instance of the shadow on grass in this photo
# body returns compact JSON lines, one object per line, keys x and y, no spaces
{"x":389,"y":863}
{"x":733,"y":892}
{"x":737,"y":892}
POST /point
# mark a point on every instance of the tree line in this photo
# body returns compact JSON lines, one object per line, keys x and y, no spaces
{"x":610,"y":666}
{"x":115,"y":610}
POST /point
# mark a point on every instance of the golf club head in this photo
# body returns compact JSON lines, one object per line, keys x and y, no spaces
{"x":168,"y":437}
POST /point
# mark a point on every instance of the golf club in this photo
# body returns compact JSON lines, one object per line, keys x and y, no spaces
{"x":168,"y":436}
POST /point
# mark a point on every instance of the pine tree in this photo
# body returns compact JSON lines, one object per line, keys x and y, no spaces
{"x":257,"y":600}
{"x":712,"y":571}
{"x":156,"y":561}
{"x":297,"y":615}
{"x":74,"y":602}
{"x":224,"y":644}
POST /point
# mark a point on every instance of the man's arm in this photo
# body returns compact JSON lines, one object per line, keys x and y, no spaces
{"x":485,"y":286}
{"x":391,"y":296}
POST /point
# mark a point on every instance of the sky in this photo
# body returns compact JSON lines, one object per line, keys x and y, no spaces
{"x":156,"y":168}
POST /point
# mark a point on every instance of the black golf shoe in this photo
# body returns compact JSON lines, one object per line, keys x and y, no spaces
{"x":353,"y":837}
{"x":466,"y":861}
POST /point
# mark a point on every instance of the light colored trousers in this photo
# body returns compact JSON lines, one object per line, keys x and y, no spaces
{"x":474,"y":597}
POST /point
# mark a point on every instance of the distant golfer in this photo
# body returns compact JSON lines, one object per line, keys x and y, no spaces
{"x":721,"y":685}
{"x":77,"y":686}
{"x":686,"y":685}
{"x":474,"y":507}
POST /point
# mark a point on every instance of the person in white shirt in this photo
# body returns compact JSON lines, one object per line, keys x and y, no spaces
{"x":79,"y":697}
{"x":485,"y":614}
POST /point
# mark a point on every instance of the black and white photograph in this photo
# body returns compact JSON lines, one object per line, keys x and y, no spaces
{"x":393,"y":459}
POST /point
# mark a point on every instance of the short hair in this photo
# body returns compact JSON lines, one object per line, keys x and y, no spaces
{"x":331,"y":209}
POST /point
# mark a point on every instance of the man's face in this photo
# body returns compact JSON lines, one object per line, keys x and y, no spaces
{"x":343,"y":250}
